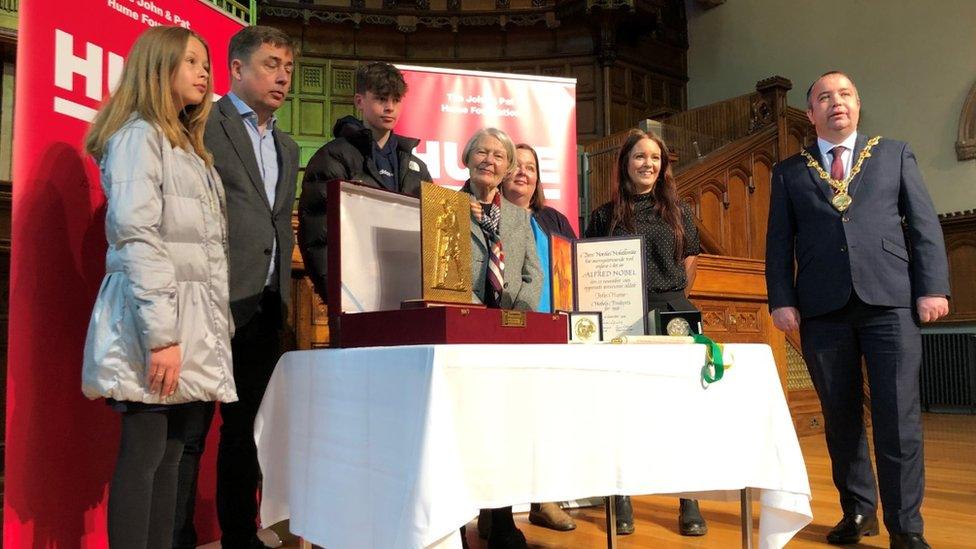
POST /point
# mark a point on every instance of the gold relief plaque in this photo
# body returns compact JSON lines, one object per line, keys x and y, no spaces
{"x":445,"y":229}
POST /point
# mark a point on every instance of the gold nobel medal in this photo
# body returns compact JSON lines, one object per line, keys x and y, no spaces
{"x":678,"y":327}
{"x":841,"y":201}
{"x":585,"y":329}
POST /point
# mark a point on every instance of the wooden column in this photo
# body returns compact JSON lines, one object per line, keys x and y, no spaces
{"x":773,"y":90}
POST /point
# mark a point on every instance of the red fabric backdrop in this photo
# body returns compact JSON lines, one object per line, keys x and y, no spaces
{"x":60,"y":447}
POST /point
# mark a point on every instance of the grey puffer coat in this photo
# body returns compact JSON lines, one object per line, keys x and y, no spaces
{"x":165,"y":272}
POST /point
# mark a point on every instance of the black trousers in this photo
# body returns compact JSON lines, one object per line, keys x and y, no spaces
{"x":256,"y":347}
{"x":144,"y":485}
{"x":197,"y":427}
{"x":889,"y":340}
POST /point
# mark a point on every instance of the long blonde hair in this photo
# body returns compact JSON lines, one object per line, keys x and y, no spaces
{"x":146,"y":88}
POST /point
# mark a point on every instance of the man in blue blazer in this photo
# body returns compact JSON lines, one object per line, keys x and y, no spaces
{"x":855,"y":259}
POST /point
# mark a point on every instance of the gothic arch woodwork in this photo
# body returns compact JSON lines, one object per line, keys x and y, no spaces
{"x":737,"y":193}
{"x":712,"y":211}
{"x":760,"y":187}
{"x":966,"y":143}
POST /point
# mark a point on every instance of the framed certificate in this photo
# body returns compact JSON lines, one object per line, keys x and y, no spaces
{"x":609,"y":277}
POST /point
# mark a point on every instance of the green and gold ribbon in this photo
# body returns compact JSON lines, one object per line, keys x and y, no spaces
{"x":714,"y":358}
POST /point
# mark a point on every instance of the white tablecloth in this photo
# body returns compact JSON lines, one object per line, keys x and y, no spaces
{"x":397,"y":447}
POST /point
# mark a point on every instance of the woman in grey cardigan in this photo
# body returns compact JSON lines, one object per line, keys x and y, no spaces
{"x":158,"y":342}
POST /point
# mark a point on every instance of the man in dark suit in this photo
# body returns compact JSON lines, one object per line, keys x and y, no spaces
{"x":258,"y":164}
{"x":855,"y":259}
{"x":367,"y":151}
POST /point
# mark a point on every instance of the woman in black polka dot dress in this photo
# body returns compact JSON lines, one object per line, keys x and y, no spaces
{"x":646,"y":203}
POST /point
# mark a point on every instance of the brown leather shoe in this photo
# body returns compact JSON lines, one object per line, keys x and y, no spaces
{"x":552,"y":516}
{"x":851,"y":528}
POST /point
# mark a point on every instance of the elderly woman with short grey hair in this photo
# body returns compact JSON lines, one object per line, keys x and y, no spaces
{"x":505,"y":266}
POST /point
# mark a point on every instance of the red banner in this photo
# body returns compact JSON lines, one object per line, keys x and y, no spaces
{"x":443,"y":108}
{"x":60,"y":447}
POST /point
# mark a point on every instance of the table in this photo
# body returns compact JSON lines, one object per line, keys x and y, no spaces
{"x":399,"y":446}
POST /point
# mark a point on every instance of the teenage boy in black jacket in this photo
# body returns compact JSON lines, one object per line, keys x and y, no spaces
{"x":366,"y":151}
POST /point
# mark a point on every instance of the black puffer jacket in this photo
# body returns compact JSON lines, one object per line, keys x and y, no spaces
{"x":348,"y":157}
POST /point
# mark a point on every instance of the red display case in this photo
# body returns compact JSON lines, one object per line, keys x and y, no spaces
{"x":374,"y":265}
{"x":434,"y":325}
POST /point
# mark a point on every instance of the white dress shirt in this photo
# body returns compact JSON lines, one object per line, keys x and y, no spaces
{"x":828,"y":158}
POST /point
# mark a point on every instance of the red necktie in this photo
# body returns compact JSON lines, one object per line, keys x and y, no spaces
{"x":837,"y":166}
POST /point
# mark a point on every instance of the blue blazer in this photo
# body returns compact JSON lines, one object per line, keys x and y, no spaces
{"x":887,"y":247}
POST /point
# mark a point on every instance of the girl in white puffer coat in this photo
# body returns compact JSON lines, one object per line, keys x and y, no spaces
{"x":158,"y":343}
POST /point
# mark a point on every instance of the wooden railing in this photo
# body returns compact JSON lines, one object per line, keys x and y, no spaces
{"x":245,"y":10}
{"x":599,"y":167}
{"x":729,"y":119}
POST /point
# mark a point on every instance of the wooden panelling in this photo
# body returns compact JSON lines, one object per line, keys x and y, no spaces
{"x":759,"y":189}
{"x":585,"y":75}
{"x":747,"y":320}
{"x":732,"y":190}
{"x":960,"y":239}
{"x":308,"y":316}
{"x":712,"y":210}
{"x":962,"y":266}
{"x":313,"y":119}
{"x":739,"y":230}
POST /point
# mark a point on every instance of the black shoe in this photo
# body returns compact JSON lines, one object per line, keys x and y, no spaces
{"x":484,"y":523}
{"x":909,"y":541}
{"x":625,"y":515}
{"x":690,"y":520}
{"x":507,"y":538}
{"x":464,"y":537}
{"x":851,"y":528}
{"x":253,"y":543}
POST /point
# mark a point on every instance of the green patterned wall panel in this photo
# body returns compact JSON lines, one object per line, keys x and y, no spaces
{"x":322,"y":92}
{"x":343,"y":81}
{"x":284,"y":117}
{"x":312,"y":118}
{"x":312,"y":79}
{"x":340,"y":109}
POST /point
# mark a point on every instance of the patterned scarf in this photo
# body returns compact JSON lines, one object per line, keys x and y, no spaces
{"x":489,"y":220}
